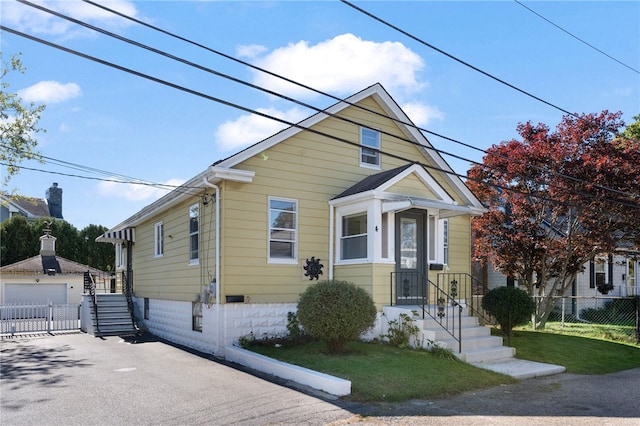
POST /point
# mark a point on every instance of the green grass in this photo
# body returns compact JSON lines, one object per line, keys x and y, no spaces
{"x":583,"y":352}
{"x":386,"y":373}
{"x":617,"y":333}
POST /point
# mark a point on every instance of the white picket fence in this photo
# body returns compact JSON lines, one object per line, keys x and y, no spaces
{"x":39,"y":318}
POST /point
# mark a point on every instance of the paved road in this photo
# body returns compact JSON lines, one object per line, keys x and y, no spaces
{"x":76,"y":379}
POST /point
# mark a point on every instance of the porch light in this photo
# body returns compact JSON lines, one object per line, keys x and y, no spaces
{"x":441,"y":307}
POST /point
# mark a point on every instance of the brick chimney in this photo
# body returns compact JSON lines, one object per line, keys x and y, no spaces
{"x":54,"y":199}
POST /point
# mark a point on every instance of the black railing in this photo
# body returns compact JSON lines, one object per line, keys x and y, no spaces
{"x":128,"y":294}
{"x":413,"y":288}
{"x":90,"y":287}
{"x":467,"y":291}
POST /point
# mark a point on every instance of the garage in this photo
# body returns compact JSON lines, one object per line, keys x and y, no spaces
{"x":36,"y":293}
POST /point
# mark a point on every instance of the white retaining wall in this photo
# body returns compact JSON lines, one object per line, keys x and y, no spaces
{"x":222,"y":325}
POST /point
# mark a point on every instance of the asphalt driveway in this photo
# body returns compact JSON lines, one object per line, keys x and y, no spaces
{"x":77,"y":379}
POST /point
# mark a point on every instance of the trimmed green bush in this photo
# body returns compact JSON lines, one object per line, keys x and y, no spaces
{"x":336,"y":312}
{"x":510,"y":306}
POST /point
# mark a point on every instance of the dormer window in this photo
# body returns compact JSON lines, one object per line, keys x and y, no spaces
{"x":370,"y":144}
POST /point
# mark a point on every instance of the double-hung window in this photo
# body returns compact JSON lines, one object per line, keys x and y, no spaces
{"x":370,"y":144}
{"x":283,"y":229}
{"x":158,"y":239}
{"x":194,"y":233}
{"x":353,"y":241}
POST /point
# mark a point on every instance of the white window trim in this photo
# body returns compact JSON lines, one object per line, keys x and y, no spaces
{"x":158,"y":239}
{"x":369,"y":165}
{"x":442,"y":245}
{"x":279,"y":260}
{"x":194,"y":261}
{"x":349,"y":210}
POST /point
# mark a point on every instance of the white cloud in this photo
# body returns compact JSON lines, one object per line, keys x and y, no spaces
{"x":251,"y":50}
{"x":343,"y":64}
{"x":422,"y":114}
{"x":249,"y":129}
{"x":50,"y":92}
{"x":27,"y":18}
{"x":136,"y":192}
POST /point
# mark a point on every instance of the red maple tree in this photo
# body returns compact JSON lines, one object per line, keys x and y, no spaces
{"x":555,"y":200}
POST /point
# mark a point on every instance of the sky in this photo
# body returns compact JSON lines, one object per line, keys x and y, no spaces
{"x":106,"y":128}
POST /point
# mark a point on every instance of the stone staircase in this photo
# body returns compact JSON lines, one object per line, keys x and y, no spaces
{"x":114,"y":318}
{"x":478,"y":345}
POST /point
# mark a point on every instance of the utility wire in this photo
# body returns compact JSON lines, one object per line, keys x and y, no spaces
{"x":450,"y":56}
{"x":410,"y":124}
{"x":576,"y":37}
{"x":297,"y":125}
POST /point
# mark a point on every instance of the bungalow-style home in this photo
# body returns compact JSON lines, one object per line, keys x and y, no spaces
{"x":32,"y":208}
{"x":47,"y":278}
{"x":353,"y":193}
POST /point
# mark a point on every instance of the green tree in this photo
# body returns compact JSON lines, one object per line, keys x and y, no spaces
{"x":97,"y":255}
{"x":17,"y":241}
{"x":20,"y":239}
{"x":632,"y":131}
{"x":18,"y":124}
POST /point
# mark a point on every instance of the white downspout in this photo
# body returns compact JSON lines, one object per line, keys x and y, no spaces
{"x":217,"y":258}
{"x":331,"y":246}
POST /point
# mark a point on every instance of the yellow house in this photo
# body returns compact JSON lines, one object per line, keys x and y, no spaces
{"x":355,"y":191}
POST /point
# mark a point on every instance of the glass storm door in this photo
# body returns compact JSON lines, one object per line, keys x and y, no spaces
{"x":410,"y":259}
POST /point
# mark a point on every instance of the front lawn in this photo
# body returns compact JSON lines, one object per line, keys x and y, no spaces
{"x":386,"y":373}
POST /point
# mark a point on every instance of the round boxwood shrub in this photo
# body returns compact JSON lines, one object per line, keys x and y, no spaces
{"x":336,"y":312}
{"x":510,"y":306}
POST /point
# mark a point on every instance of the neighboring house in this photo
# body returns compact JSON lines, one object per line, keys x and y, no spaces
{"x":47,"y":278}
{"x":605,"y":277}
{"x":32,"y":208}
{"x":224,"y":255}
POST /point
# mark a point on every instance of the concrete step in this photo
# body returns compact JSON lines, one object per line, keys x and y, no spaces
{"x":474,"y":344}
{"x":520,"y":368}
{"x":487,"y":354}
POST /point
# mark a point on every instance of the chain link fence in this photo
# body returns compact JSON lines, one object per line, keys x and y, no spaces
{"x":615,"y":318}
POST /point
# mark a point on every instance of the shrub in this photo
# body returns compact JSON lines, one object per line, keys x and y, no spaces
{"x":510,"y":306}
{"x":402,"y":331}
{"x":336,"y":312}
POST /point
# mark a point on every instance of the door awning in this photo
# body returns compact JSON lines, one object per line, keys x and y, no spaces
{"x":118,"y":236}
{"x":444,"y":209}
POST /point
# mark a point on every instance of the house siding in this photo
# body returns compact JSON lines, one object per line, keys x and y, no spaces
{"x":170,"y":277}
{"x":309,"y":168}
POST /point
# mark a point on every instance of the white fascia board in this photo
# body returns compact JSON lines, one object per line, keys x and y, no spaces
{"x":179,"y":194}
{"x":234,"y":175}
{"x":426,"y":179}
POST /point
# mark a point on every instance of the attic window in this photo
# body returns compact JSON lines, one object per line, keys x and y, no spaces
{"x":370,"y":144}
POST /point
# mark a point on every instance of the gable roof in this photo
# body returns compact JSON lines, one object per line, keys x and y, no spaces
{"x":38,"y":265}
{"x":224,"y":169}
{"x":372,"y":182}
{"x":27,"y":206}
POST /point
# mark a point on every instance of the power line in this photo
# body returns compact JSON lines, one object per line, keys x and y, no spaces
{"x":246,"y":109}
{"x":449,"y":55}
{"x":239,"y":81}
{"x":136,"y":182}
{"x":576,"y":37}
